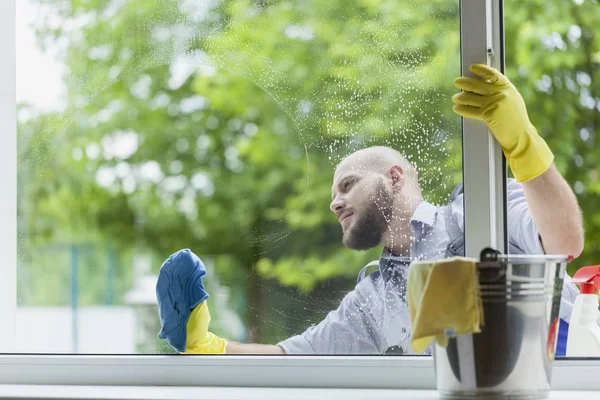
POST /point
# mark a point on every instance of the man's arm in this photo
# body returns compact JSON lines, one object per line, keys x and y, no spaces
{"x":350,"y":329}
{"x":493,"y":99}
{"x":556,"y":213}
{"x":251,"y":348}
{"x":353,"y":328}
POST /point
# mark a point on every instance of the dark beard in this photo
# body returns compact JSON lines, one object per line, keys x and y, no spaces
{"x":368,"y":229}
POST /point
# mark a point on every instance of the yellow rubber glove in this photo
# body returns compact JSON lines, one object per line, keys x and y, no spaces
{"x":495,"y":101}
{"x":198,"y":339}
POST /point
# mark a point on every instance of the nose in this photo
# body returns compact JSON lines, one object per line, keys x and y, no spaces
{"x":337,"y":205}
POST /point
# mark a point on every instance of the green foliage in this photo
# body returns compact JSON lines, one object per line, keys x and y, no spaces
{"x":552,"y":53}
{"x":239,"y":113}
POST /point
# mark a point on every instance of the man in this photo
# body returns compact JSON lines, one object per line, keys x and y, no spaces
{"x":377,"y":200}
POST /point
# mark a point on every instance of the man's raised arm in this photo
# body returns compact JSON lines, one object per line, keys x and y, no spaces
{"x":492,"y":98}
{"x":556,"y":213}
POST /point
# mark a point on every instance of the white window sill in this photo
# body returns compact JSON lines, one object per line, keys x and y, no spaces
{"x":371,"y":373}
{"x":220,"y":393}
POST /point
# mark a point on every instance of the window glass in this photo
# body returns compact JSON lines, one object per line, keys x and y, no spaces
{"x":146,"y":127}
{"x":552,"y":58}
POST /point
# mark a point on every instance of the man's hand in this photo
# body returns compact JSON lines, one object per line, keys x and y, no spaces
{"x":495,"y":101}
{"x":199,"y":339}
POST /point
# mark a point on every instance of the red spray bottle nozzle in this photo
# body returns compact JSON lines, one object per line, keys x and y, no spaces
{"x":588,"y":278}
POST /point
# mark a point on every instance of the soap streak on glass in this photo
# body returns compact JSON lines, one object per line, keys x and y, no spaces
{"x":215,"y":126}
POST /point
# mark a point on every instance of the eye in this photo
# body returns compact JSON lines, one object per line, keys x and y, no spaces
{"x":348,"y":184}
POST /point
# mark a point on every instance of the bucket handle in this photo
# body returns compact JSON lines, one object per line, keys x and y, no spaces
{"x":489,"y":269}
{"x":489,"y":254}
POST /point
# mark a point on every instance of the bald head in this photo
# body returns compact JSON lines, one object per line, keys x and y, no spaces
{"x":374,"y":159}
{"x":375,"y":191}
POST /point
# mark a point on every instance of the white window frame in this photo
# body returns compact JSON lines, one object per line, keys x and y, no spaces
{"x":484,"y":167}
{"x":480,"y":30}
{"x":350,"y":372}
{"x":8,"y":177}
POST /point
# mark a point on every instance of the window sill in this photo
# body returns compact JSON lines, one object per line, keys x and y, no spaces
{"x":309,"y":372}
{"x":221,"y":393}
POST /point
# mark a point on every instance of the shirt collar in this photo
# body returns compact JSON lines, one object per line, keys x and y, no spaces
{"x":389,"y":262}
{"x":425,"y":214}
{"x":423,"y":218}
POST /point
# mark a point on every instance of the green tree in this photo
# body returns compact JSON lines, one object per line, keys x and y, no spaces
{"x":235,"y":159}
{"x":218,"y":129}
{"x":553,"y":57}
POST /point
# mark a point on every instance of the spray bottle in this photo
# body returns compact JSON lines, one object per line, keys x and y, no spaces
{"x":583,"y":339}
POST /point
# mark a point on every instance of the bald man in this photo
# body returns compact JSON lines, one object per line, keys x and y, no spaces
{"x":377,"y":200}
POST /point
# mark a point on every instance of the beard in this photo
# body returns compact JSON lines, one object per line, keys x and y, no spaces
{"x":372,"y":222}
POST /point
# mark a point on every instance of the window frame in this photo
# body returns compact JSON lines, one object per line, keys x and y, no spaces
{"x":481,"y":30}
{"x":484,"y":165}
{"x":8,"y":176}
{"x":351,"y":372}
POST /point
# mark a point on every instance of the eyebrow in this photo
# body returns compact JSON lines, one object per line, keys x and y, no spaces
{"x":341,"y":182}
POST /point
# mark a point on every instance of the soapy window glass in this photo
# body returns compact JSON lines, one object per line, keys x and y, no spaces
{"x":145,"y":127}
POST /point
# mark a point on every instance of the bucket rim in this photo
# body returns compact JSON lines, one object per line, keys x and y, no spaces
{"x":533,"y":257}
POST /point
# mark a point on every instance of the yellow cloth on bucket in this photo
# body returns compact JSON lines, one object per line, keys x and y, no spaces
{"x":443,"y":300}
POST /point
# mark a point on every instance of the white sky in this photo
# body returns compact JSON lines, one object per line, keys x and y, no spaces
{"x":39,"y":75}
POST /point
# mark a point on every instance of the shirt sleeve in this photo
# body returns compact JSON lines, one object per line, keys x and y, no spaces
{"x":567,"y":300}
{"x":523,"y":235}
{"x":350,"y":329}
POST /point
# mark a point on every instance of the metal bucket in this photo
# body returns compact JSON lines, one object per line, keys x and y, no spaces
{"x":511,"y":358}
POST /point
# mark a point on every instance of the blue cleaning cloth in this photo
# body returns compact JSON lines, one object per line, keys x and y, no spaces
{"x":179,"y":290}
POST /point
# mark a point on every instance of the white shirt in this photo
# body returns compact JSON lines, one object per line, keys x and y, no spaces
{"x":374,"y":317}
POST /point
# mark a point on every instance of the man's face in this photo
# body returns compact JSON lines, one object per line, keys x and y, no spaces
{"x":363,"y":205}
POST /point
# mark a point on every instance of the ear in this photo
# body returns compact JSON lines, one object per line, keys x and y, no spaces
{"x":396,"y":174}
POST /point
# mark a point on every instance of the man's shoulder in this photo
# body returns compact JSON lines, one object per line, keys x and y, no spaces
{"x":457,"y":193}
{"x":455,"y":204}
{"x":426,"y":213}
